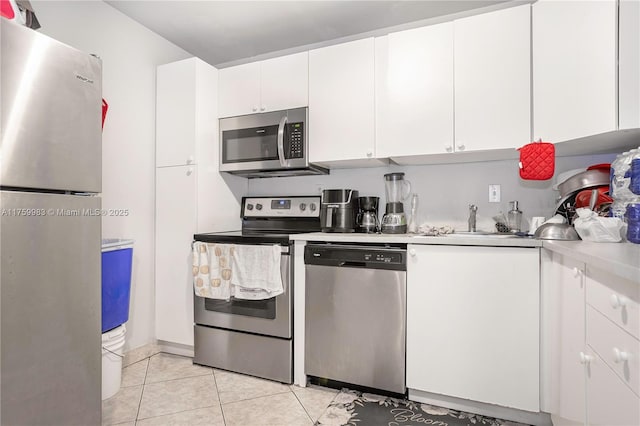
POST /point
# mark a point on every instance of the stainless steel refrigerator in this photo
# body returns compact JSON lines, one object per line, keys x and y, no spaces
{"x":50,"y":178}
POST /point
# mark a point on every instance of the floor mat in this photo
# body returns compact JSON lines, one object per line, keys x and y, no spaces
{"x":365,"y":409}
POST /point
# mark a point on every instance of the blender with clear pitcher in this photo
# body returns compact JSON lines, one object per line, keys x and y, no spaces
{"x":397,"y":189}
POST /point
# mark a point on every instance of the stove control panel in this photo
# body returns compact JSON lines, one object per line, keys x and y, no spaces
{"x":299,"y":206}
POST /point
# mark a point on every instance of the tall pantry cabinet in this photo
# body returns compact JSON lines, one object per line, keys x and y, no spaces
{"x":191,"y":194}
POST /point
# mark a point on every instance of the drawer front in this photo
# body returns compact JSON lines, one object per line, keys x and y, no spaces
{"x":616,"y":298}
{"x":619,"y":350}
{"x":609,"y":401}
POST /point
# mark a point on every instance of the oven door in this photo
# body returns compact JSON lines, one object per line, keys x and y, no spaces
{"x":267,"y":141}
{"x":269,"y":317}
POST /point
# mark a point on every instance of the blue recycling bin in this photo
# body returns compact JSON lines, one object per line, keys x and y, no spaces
{"x":117,"y":256}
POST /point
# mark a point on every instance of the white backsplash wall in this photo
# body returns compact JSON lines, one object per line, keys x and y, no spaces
{"x":444,"y":190}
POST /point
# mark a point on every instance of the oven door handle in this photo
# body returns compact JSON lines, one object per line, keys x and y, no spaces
{"x":283,"y":161}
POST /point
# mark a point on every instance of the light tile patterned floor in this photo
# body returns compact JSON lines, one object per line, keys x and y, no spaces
{"x":169,"y":390}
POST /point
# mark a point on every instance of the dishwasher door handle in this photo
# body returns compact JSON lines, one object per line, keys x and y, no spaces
{"x":353,"y":264}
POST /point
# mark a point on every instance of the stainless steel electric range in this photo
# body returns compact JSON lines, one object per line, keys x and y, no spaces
{"x":256,"y":336}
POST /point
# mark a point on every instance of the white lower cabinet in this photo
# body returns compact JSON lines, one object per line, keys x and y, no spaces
{"x":566,"y":340}
{"x":594,"y":354}
{"x":175,"y":225}
{"x":609,"y":401}
{"x":473,"y":323}
{"x":613,"y":370}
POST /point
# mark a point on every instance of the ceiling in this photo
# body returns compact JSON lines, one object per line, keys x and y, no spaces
{"x":225,"y":33}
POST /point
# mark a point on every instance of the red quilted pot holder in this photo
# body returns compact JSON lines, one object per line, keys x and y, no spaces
{"x":537,"y":161}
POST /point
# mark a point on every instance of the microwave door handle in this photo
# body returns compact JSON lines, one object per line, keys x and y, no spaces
{"x":283,"y":161}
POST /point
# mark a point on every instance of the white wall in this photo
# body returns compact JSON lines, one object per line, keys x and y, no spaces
{"x":445,"y":190}
{"x":130,"y":54}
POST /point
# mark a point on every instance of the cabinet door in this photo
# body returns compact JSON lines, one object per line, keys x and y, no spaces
{"x":284,"y":82}
{"x":239,"y":90}
{"x":610,"y":402}
{"x":567,"y":341}
{"x":175,"y":226}
{"x":414,"y":96}
{"x":574,"y":68}
{"x":175,"y":113}
{"x":629,"y":64}
{"x":218,"y":205}
{"x":493,"y":80}
{"x":473,"y":323}
{"x":341,"y":102}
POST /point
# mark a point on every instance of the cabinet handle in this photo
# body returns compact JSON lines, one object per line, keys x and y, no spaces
{"x":617,"y":301}
{"x":577,"y":272}
{"x":255,"y":108}
{"x":412,"y":252}
{"x":584,"y":358}
{"x":189,"y":171}
{"x":262,"y":108}
{"x":448,"y":148}
{"x":190,"y":159}
{"x":620,"y":356}
{"x":369,"y":154}
{"x":461,"y":147}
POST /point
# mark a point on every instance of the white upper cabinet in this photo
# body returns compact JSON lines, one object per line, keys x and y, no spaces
{"x":239,"y":90}
{"x":176,"y":114}
{"x":574,"y":69}
{"x":454,"y":87}
{"x":341,"y":102}
{"x":414,"y":88}
{"x":492,"y":80}
{"x":285,"y":82}
{"x":270,"y":85}
{"x":629,"y":64}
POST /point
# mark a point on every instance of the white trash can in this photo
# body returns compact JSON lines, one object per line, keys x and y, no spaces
{"x":112,"y":354}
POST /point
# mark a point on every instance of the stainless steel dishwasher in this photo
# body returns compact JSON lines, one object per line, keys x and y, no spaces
{"x":355,"y":310}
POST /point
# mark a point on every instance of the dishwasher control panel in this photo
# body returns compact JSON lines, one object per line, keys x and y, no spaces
{"x":382,"y":257}
{"x":373,"y":257}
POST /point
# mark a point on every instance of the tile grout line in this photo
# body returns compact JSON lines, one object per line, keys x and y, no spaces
{"x":164,"y":381}
{"x":183,"y":411}
{"x":178,"y":378}
{"x":144,"y":382}
{"x":328,"y":405}
{"x":215,"y":382}
{"x":256,"y":397}
{"x":302,"y":405}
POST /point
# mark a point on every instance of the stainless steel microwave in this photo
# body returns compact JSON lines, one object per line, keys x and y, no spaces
{"x":269,"y":144}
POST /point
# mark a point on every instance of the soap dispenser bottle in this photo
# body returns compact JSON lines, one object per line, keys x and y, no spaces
{"x":514,"y":217}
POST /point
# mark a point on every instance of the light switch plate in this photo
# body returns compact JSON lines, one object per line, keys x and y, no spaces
{"x":494,"y":193}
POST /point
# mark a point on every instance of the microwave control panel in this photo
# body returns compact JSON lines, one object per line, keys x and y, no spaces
{"x":296,"y":140}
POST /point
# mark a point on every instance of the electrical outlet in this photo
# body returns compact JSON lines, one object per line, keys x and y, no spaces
{"x":494,"y":193}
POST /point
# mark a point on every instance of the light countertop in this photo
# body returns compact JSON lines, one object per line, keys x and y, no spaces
{"x":457,"y":240}
{"x":622,"y":259}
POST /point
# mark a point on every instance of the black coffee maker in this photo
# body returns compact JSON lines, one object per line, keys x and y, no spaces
{"x":367,"y":218}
